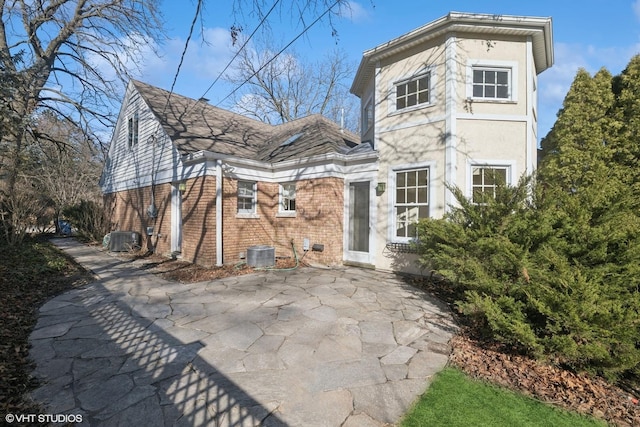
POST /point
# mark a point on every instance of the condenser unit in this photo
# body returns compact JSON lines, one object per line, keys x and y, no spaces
{"x":261,"y":256}
{"x":124,"y":241}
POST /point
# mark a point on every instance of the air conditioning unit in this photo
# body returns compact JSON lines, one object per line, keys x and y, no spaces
{"x":261,"y":256}
{"x":124,"y":241}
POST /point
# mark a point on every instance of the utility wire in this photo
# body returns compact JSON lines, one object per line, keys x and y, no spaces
{"x":184,"y":53}
{"x":281,"y":51}
{"x":264,"y":18}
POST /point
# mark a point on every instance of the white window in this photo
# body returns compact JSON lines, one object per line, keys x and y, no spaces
{"x":485,"y":180}
{"x":246,"y":197}
{"x":367,"y":116}
{"x":288,"y":197}
{"x":132,"y":137}
{"x":414,"y":91}
{"x":411,"y":201}
{"x":491,"y":83}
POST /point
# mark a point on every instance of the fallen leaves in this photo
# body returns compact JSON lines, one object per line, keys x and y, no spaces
{"x":581,"y":393}
{"x":25,"y":284}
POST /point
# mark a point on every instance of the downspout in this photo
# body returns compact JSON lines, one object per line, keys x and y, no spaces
{"x":219,"y":213}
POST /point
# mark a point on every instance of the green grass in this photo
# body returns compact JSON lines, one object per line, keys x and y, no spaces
{"x":455,"y":400}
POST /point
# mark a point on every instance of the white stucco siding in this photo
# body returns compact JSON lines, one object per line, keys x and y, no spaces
{"x":415,"y":62}
{"x":493,"y":144}
{"x":152,"y":157}
{"x":508,"y":53}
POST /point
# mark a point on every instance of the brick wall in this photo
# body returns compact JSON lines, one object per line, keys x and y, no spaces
{"x":319,"y":216}
{"x":128,"y":211}
{"x":199,"y":221}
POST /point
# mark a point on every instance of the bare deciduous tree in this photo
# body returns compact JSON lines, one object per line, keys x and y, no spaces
{"x":67,"y":56}
{"x":67,"y":175}
{"x":287,"y":88}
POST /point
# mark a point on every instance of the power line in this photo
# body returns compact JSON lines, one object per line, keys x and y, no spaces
{"x":281,"y":51}
{"x":184,"y":53}
{"x":241,"y":47}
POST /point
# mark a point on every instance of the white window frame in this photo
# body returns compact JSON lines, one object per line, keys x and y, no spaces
{"x":133,"y":129}
{"x":252,"y":196}
{"x":511,"y":67}
{"x":392,"y":218}
{"x":509,"y":166}
{"x":283,"y":210}
{"x":368,"y":116}
{"x":393,"y":90}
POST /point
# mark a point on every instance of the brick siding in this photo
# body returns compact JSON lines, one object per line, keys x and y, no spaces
{"x":128,"y":211}
{"x":319,"y":217}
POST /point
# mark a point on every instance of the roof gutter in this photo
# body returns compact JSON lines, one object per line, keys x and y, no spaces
{"x":203,"y":156}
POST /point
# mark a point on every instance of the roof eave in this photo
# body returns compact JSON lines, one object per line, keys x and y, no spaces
{"x":203,"y":156}
{"x":459,"y":22}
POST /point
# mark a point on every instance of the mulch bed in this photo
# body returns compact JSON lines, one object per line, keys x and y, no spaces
{"x":185,"y":272}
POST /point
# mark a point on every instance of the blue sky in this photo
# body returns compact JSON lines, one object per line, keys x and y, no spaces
{"x":591,"y":34}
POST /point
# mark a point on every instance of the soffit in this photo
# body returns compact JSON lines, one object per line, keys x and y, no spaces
{"x":481,"y":24}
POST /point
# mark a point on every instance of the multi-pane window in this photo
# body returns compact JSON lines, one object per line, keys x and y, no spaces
{"x":413,"y":92}
{"x":288,"y":197}
{"x":485,"y":181}
{"x":491,"y":83}
{"x":412,"y":200}
{"x":367,"y":116}
{"x":246,"y":197}
{"x":133,"y":130}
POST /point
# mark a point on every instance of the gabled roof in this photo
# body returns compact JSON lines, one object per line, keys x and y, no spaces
{"x":483,"y":24}
{"x":194,"y":125}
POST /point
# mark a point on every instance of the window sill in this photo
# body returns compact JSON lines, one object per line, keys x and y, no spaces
{"x":492,"y":101}
{"x":247,"y":216}
{"x":286,"y":214}
{"x":395,"y":112}
{"x":401,"y":247}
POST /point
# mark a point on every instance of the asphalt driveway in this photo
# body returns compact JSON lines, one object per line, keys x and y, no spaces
{"x":310,"y":347}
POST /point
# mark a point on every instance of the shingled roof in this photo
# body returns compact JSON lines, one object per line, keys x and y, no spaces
{"x":194,"y":125}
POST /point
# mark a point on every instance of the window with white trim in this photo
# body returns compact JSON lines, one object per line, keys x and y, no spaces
{"x":132,"y":136}
{"x":246,"y":197}
{"x":367,"y":116}
{"x":492,"y":83}
{"x":414,"y":91}
{"x":288,"y":197}
{"x":411,"y":201}
{"x":485,"y":180}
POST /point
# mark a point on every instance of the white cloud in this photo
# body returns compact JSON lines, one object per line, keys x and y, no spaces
{"x":555,"y":82}
{"x":355,"y":12}
{"x":206,"y":57}
{"x":636,"y":8}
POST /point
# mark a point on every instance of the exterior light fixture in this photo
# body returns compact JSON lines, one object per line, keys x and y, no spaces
{"x":182,"y":187}
{"x":381,"y":187}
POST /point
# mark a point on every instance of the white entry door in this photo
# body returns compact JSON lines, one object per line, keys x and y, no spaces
{"x":358,"y":235}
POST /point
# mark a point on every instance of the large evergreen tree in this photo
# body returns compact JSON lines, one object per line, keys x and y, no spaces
{"x":626,"y":132}
{"x":557,"y":273}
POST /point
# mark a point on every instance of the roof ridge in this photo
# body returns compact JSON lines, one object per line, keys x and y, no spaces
{"x":203,"y":103}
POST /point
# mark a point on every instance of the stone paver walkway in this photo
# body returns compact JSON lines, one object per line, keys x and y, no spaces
{"x":344,"y":347}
